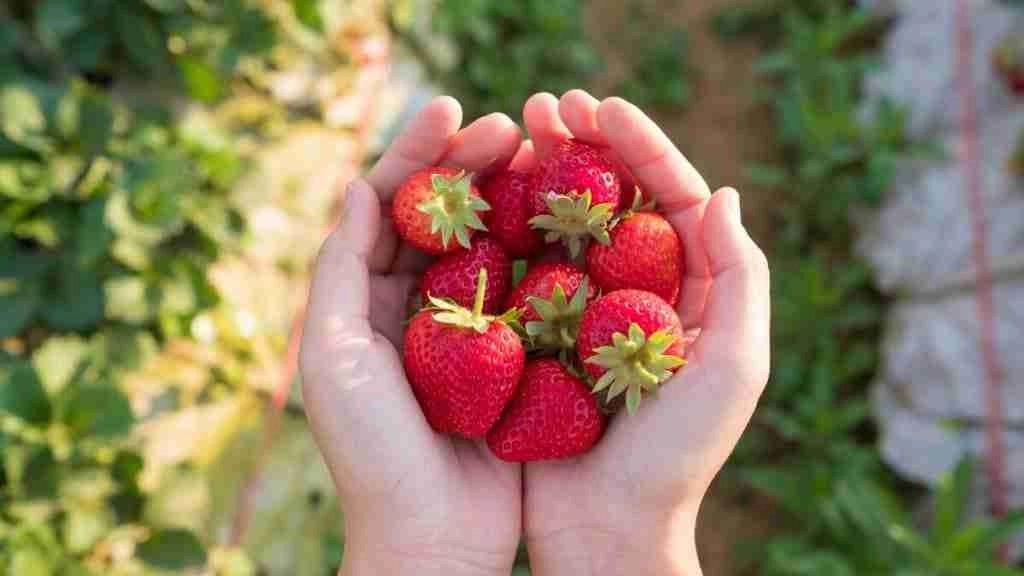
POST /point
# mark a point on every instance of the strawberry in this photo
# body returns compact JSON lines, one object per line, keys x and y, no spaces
{"x":1008,"y":59}
{"x":645,"y":253}
{"x":454,"y":276}
{"x":508,"y":194}
{"x":630,"y":341}
{"x":554,"y":416}
{"x":552,"y":297}
{"x":464,"y":367}
{"x":575,"y":194}
{"x":435,"y":204}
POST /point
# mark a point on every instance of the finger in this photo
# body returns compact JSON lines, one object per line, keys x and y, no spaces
{"x":525,"y":159}
{"x":422,"y":143}
{"x":489,"y":141}
{"x":578,"y":110}
{"x":655,"y":162}
{"x":540,"y":113}
{"x":730,"y":359}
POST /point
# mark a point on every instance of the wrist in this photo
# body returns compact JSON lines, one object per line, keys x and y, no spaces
{"x":375,"y":548}
{"x":663,"y":548}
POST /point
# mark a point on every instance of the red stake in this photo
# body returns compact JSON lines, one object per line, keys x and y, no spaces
{"x":969,"y":132}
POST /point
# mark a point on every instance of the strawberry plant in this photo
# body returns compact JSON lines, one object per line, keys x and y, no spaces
{"x":819,"y":463}
{"x":113,"y":204}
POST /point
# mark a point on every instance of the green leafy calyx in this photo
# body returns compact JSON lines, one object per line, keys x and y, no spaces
{"x":559,"y":318}
{"x":450,"y":313}
{"x":453,"y":208}
{"x":635,"y":363}
{"x":572,"y":220}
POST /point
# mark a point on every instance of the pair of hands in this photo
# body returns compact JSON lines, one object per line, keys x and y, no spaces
{"x":417,"y":502}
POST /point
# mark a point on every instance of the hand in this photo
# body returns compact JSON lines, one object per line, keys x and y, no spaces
{"x":630,"y":505}
{"x":415,"y":502}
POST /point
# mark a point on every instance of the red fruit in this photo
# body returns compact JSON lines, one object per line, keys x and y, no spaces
{"x":645,"y":253}
{"x":1008,"y":59}
{"x":554,"y":416}
{"x":435,"y":204}
{"x":630,"y":341}
{"x":464,"y":367}
{"x":576,"y":192}
{"x":508,"y":193}
{"x":455,"y":276}
{"x":552,"y":303}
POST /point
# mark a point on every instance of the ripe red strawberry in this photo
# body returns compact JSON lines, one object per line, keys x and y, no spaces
{"x":1008,"y":59}
{"x":554,"y":416}
{"x":576,"y":192}
{"x":645,"y":253}
{"x":630,"y":341}
{"x":435,"y":204}
{"x":455,"y":276}
{"x":552,"y":303}
{"x":464,"y":367}
{"x":508,"y":193}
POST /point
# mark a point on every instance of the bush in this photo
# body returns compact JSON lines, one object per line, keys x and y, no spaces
{"x":112,"y":207}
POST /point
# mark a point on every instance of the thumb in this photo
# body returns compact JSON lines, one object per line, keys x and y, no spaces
{"x":361,"y":410}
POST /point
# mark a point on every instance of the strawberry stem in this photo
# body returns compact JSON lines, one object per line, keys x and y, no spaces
{"x":481,"y":292}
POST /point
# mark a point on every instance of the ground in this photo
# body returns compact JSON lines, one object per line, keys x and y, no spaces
{"x":720,"y":131}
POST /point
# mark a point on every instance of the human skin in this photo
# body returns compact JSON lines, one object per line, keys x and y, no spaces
{"x":417,"y":502}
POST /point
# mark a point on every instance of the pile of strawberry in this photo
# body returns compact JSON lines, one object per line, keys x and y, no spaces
{"x":538,"y":366}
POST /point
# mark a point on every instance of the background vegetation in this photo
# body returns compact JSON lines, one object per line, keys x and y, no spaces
{"x":125,"y":133}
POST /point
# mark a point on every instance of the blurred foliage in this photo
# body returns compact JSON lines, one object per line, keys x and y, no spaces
{"x":493,"y":55}
{"x":115,"y":199}
{"x":813,"y":449}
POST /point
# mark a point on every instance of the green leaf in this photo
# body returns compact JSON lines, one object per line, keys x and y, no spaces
{"x":143,"y":40}
{"x":166,"y":6}
{"x":201,"y":81}
{"x":96,"y":123}
{"x":90,"y":48}
{"x":17,"y":309}
{"x":101,"y":411}
{"x":31,"y":562}
{"x":126,"y":299}
{"x":93,"y":235}
{"x":58,"y":19}
{"x":126,"y":467}
{"x":41,"y":475}
{"x":57,"y":359}
{"x":75,"y":301}
{"x":22,"y":393}
{"x":172,"y":549}
{"x":84,"y":526}
{"x":21,"y":115}
{"x":308,"y":12}
{"x":950,"y":499}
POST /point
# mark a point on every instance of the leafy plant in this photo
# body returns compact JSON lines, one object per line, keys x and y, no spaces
{"x":112,"y":207}
{"x":819,"y":463}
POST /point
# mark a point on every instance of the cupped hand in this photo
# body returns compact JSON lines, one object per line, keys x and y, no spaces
{"x":630,"y":505}
{"x":415,"y":502}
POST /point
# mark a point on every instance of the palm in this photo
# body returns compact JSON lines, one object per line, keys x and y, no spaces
{"x":444,"y":499}
{"x":652,"y":468}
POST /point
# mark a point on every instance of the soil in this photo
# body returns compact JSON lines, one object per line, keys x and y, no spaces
{"x":722,"y":128}
{"x":720,"y":131}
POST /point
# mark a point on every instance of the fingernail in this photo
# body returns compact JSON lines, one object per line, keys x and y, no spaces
{"x":734,"y":204}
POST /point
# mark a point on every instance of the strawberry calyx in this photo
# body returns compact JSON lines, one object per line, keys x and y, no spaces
{"x":452,"y":314}
{"x":453,"y":208}
{"x":634,"y":363}
{"x":638,"y":205}
{"x":572,"y":220}
{"x":559,"y":318}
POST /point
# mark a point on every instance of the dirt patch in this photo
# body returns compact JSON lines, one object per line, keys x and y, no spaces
{"x":720,"y":131}
{"x":722,"y":128}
